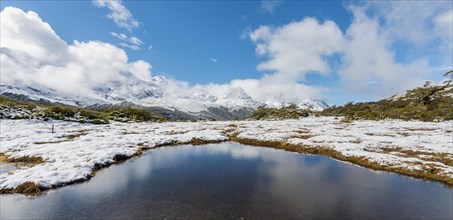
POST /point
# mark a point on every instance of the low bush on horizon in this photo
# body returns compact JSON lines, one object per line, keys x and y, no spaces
{"x":283,"y":113}
{"x":134,"y":114}
{"x":13,"y":109}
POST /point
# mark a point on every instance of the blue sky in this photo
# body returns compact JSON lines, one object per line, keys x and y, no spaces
{"x":202,"y":42}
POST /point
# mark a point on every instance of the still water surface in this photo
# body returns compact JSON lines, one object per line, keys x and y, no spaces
{"x":230,"y":180}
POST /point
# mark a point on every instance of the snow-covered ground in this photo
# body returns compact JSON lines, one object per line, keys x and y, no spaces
{"x":71,"y":153}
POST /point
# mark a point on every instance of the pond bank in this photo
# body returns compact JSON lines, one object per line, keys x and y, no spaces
{"x":417,"y":149}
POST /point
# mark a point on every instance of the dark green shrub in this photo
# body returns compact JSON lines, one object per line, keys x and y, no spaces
{"x":62,"y":111}
{"x":133,"y":114}
{"x":288,"y":112}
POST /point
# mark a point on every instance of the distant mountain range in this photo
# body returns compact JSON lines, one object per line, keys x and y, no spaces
{"x":233,"y":104}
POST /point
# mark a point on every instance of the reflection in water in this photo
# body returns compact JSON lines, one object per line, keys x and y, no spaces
{"x":233,"y":180}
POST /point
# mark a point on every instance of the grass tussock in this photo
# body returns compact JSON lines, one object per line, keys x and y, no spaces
{"x":3,"y":158}
{"x":28,"y":188}
{"x":199,"y":141}
{"x":141,"y":148}
{"x":25,"y":160}
{"x":119,"y":158}
{"x":445,"y":158}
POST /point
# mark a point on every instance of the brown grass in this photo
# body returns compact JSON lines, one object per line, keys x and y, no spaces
{"x":199,"y":141}
{"x":421,"y":129}
{"x":76,"y":135}
{"x":49,"y":142}
{"x":3,"y":158}
{"x":68,"y":137}
{"x":302,"y":136}
{"x":404,"y":134}
{"x":25,"y":160}
{"x":373,"y":134}
{"x":28,"y":188}
{"x":129,"y":132}
{"x":444,"y":158}
{"x":172,"y":132}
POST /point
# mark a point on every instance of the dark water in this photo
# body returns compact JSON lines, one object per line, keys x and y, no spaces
{"x":230,"y":180}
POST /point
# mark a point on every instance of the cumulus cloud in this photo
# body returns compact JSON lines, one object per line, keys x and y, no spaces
{"x":298,"y":47}
{"x":369,"y":50}
{"x":118,"y":13}
{"x":33,"y":54}
{"x":82,"y":67}
{"x":38,"y":40}
{"x":290,"y":52}
{"x":368,"y":57}
{"x":272,"y":92}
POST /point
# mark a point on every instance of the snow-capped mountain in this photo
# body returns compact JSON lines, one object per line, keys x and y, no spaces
{"x":155,"y":93}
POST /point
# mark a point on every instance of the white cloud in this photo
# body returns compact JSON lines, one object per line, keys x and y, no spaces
{"x":371,"y":52}
{"x":129,"y":42}
{"x":135,"y":41}
{"x":368,"y":57}
{"x":407,"y":20}
{"x":443,"y":26}
{"x":84,"y":67}
{"x":274,"y":92}
{"x":297,"y":48}
{"x":119,"y":36}
{"x":118,"y":13}
{"x":33,"y":54}
{"x":38,"y":40}
{"x":131,"y":46}
{"x":141,"y":70}
{"x":394,"y":43}
{"x":444,"y":23}
{"x":213,"y":60}
{"x":270,"y":5}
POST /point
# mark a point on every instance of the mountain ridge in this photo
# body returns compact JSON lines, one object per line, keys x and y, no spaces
{"x":235,"y":103}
